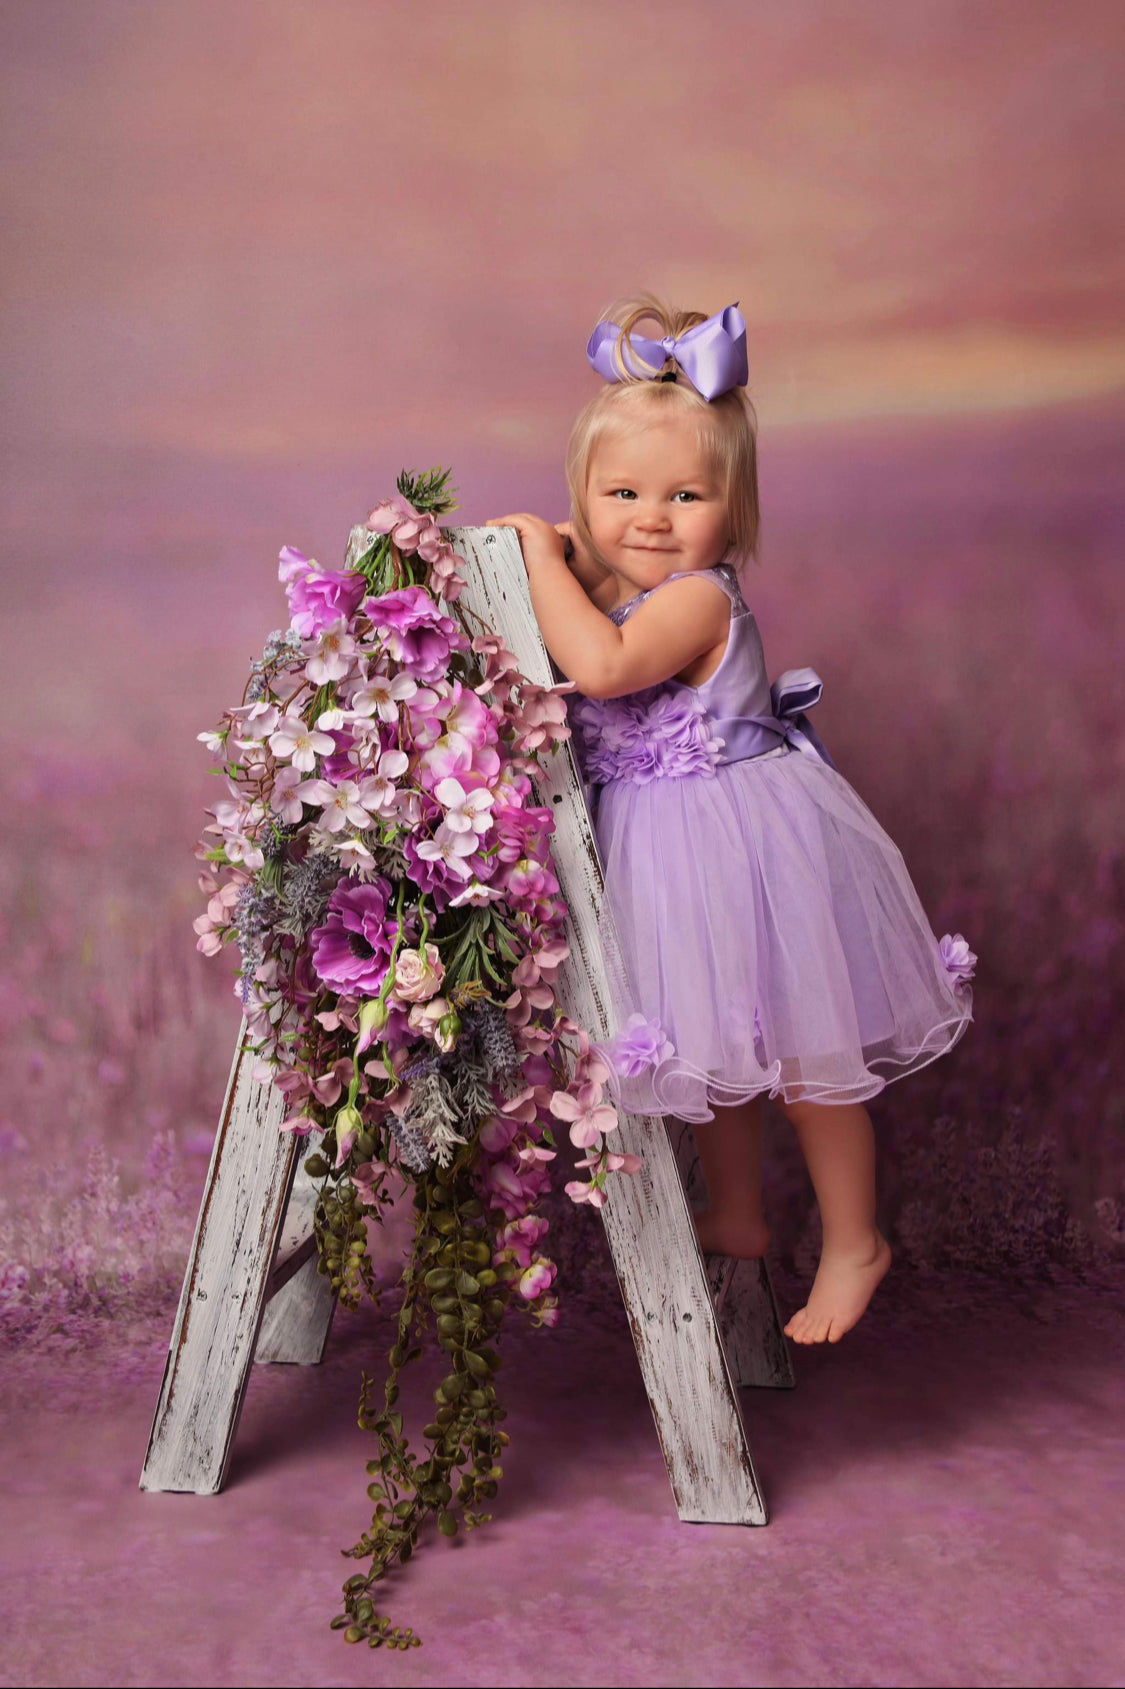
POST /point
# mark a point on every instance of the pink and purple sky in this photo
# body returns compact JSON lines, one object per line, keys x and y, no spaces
{"x":281,"y":230}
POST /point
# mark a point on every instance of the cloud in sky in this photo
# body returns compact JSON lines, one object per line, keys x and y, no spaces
{"x":280,"y":227}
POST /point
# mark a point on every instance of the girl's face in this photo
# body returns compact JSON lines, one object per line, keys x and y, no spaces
{"x":655,"y":506}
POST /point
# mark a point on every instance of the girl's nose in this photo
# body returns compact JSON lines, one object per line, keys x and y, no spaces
{"x":651,"y":520}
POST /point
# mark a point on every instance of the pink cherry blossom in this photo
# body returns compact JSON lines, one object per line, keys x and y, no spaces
{"x":300,"y":744}
{"x":465,"y":812}
{"x":589,"y":1117}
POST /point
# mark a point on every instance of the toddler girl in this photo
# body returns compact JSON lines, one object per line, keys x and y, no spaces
{"x":771,"y":939}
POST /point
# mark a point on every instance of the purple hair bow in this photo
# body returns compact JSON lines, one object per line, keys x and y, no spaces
{"x":712,"y":354}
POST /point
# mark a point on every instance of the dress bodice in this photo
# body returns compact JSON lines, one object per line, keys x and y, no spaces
{"x":673,"y":729}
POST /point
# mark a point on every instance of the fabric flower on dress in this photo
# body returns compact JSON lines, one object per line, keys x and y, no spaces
{"x":960,"y":962}
{"x":658,"y":733}
{"x":639,"y":1045}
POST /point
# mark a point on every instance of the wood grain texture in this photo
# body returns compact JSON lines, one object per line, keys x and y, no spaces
{"x":224,"y":1292}
{"x":300,"y":1301}
{"x":647,"y":1219}
{"x":756,"y":1346}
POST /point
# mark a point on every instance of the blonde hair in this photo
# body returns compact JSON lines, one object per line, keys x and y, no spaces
{"x":726,"y":425}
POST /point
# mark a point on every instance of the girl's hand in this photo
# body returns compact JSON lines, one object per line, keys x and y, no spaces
{"x":539,"y":541}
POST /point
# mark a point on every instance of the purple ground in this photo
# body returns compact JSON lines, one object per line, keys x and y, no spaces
{"x":945,"y":1490}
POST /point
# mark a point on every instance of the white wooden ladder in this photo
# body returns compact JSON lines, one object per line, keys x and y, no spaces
{"x":252,"y":1291}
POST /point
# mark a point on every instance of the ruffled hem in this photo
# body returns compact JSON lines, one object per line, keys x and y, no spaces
{"x":679,"y":1089}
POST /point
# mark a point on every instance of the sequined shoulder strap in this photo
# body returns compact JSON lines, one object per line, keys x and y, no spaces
{"x":721,"y":573}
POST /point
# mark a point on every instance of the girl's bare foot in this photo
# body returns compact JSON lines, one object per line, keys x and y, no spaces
{"x":844,"y":1285}
{"x":745,"y":1237}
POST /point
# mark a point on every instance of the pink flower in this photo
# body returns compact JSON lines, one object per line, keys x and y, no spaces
{"x":317,"y":597}
{"x":351,"y":950}
{"x":299,"y":743}
{"x":381,"y":695}
{"x":418,"y":977}
{"x":415,"y":631}
{"x":523,"y":1236}
{"x":496,"y":1134}
{"x":589,"y":1117}
{"x":410,"y":529}
{"x":536,"y":1279}
{"x":465,"y":812}
{"x":333,"y":656}
{"x":579,"y":1191}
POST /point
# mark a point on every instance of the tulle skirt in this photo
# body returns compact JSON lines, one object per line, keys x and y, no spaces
{"x":767,"y":922}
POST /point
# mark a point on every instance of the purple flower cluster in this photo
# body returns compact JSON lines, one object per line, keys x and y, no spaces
{"x":658,"y":733}
{"x":415,"y":631}
{"x":317,"y":597}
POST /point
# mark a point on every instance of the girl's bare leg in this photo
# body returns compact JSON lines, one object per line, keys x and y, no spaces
{"x":730,"y":1148}
{"x":838,"y":1142}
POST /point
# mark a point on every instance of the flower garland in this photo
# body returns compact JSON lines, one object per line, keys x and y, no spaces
{"x":384,"y":870}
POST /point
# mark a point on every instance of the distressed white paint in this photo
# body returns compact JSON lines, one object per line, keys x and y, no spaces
{"x":224,"y":1291}
{"x":300,"y":1300}
{"x":741,"y":1291}
{"x":647,"y":1219}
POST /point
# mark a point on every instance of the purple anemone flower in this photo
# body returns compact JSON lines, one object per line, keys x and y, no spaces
{"x":351,"y":950}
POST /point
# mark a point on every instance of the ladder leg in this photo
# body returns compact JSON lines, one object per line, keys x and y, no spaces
{"x":678,"y":1337}
{"x":757,"y":1351}
{"x":301,"y":1301}
{"x":224,"y":1291}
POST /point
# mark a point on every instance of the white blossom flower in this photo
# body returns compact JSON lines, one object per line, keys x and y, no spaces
{"x":296,"y":741}
{"x":380,"y":695}
{"x":260,"y":719}
{"x":450,"y":849}
{"x":477,"y":893}
{"x":333,"y":653}
{"x":464,"y":811}
{"x":344,"y":806}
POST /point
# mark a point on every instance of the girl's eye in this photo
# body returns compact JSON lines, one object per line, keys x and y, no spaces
{"x":686,"y":495}
{"x":623,"y":492}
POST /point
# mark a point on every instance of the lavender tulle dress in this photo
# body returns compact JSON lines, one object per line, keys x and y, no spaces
{"x":755,"y":912}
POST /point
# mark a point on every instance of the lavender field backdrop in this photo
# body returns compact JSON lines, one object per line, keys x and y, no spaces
{"x":233,"y":311}
{"x":958,"y":588}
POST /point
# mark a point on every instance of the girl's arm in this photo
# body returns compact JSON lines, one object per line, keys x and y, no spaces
{"x":587,"y":571}
{"x":605,"y":661}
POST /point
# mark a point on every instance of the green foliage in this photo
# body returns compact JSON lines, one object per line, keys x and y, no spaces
{"x":460,"y":1467}
{"x":429,"y":491}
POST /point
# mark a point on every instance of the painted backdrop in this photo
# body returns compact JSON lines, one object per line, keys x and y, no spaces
{"x":258,"y":257}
